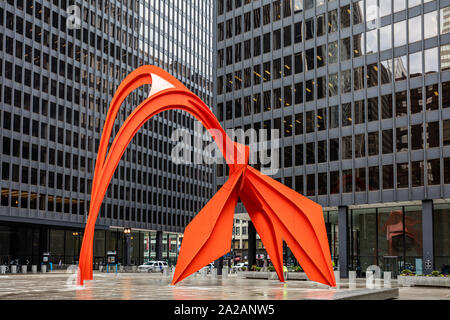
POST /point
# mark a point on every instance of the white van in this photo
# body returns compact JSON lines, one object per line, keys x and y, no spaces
{"x":153,"y":266}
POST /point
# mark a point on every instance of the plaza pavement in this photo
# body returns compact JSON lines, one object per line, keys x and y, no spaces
{"x":155,"y":286}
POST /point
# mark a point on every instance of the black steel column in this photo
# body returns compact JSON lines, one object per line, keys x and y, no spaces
{"x":44,"y":243}
{"x":218,"y":264}
{"x":343,"y":240}
{"x":427,"y":236}
{"x":251,"y":245}
{"x":159,"y":245}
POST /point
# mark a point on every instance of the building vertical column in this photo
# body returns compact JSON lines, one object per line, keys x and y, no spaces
{"x":159,"y":245}
{"x":127,"y":249}
{"x":251,"y":244}
{"x":44,"y":243}
{"x":343,"y":240}
{"x":427,"y":236}
{"x":44,"y":240}
{"x":218,"y":264}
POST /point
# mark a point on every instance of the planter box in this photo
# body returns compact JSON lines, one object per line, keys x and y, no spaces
{"x":411,"y":281}
{"x":273,"y":275}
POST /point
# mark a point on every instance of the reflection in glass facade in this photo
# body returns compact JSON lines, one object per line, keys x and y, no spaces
{"x":387,"y":98}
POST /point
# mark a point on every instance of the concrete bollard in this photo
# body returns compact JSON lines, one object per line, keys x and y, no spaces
{"x":370,"y":279}
{"x":2,"y":269}
{"x":337,"y":276}
{"x":34,"y":269}
{"x":352,"y":277}
{"x":134,"y":268}
{"x":120,"y":268}
{"x":24,"y":269}
{"x":224,"y":273}
{"x":13,"y":269}
{"x":272,"y":276}
{"x":204,"y":271}
{"x":165,"y":271}
{"x":214,"y":272}
{"x":44,"y":268}
{"x":387,"y":278}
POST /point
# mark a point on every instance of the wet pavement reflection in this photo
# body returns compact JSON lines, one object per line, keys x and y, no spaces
{"x":136,"y":286}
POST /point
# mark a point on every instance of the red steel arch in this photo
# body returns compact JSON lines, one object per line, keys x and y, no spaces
{"x":278,"y":212}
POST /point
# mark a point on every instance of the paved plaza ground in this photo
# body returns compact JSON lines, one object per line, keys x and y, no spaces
{"x":59,"y":285}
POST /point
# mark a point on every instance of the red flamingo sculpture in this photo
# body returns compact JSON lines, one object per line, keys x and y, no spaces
{"x":278,"y":212}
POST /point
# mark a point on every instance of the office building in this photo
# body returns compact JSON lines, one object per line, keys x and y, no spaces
{"x":60,"y":64}
{"x":360,"y":93}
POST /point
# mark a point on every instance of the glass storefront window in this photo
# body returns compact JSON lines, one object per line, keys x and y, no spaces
{"x":413,"y":238}
{"x":363,"y":241}
{"x":390,"y":238}
{"x":57,"y":245}
{"x":441,"y":229}
{"x":99,"y":247}
{"x":152,"y":245}
{"x":172,"y":248}
{"x":164,"y":246}
{"x":146,"y":247}
{"x":333,"y":235}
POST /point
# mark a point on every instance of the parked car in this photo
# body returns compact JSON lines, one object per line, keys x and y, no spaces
{"x":152,"y":266}
{"x":238,"y":266}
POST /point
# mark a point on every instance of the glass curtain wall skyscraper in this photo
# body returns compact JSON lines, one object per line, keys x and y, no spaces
{"x":60,"y":64}
{"x":360,"y":93}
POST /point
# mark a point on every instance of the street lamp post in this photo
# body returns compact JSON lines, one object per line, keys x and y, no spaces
{"x":127,"y":232}
{"x":75,"y":245}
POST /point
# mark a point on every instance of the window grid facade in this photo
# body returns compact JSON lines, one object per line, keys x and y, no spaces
{"x":363,"y":123}
{"x":56,"y":86}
